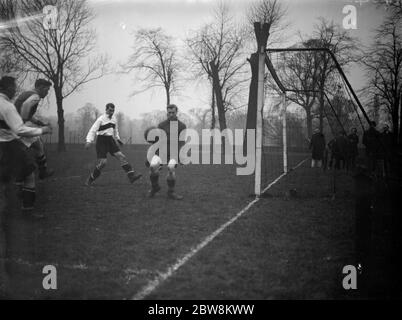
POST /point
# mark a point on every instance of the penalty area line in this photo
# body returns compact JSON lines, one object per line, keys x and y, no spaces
{"x":163,"y":276}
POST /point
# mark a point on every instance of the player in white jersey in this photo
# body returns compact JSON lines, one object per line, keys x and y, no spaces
{"x":15,"y":158}
{"x":106,"y":132}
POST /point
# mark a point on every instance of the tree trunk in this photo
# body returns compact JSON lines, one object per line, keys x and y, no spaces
{"x":251,"y":121}
{"x":321,"y":111}
{"x":395,"y":131}
{"x":218,"y":96}
{"x":322,"y":80}
{"x":252,"y":96}
{"x":167,"y":96}
{"x":213,"y":117}
{"x":398,"y":122}
{"x":309,"y":121}
{"x":61,"y":147}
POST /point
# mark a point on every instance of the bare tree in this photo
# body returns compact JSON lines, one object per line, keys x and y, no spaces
{"x":393,"y":7}
{"x":200,"y":117}
{"x":86,"y":116}
{"x":269,"y":14}
{"x":122,"y":122}
{"x":60,"y":52}
{"x":298,"y":72}
{"x":383,"y":63}
{"x":9,"y":63}
{"x":217,"y":53}
{"x":156,"y":61}
{"x":329,"y":35}
{"x":310,"y":74}
{"x":151,"y":119}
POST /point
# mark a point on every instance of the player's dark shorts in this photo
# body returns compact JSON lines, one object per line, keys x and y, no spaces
{"x":105,"y":145}
{"x":16,"y":160}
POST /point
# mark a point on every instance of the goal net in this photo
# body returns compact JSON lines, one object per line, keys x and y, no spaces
{"x":305,"y":91}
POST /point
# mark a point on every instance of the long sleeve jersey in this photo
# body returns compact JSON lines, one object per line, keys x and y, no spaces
{"x":27,"y":104}
{"x":103,"y":126}
{"x":11,"y":124}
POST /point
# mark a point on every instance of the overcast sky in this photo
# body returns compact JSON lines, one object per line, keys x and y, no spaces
{"x":116,"y":20}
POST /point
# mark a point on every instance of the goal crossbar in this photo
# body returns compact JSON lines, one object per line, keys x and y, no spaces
{"x":281,"y":86}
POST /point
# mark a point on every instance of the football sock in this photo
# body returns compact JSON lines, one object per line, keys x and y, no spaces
{"x":41,"y":161}
{"x":128,"y":168}
{"x":154,"y":180}
{"x":42,"y":166}
{"x":130,"y":171}
{"x":171,"y":182}
{"x":95,"y":175}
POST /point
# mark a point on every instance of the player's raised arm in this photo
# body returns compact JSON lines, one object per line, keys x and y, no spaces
{"x":92,"y":132}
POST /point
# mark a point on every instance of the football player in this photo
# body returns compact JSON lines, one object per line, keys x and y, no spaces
{"x":27,"y":104}
{"x":106,"y":132}
{"x":156,"y":163}
{"x":15,"y":158}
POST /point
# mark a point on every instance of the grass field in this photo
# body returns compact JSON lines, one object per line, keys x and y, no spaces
{"x":110,"y":241}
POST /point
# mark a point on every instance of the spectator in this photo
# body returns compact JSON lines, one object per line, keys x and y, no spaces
{"x":386,"y":141}
{"x":331,"y":150}
{"x":354,"y":152}
{"x":374,"y":149}
{"x":341,"y":150}
{"x":317,"y":146}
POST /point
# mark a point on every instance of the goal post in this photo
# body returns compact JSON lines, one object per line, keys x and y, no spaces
{"x":272,"y":143}
{"x":260,"y":107}
{"x":284,"y":134}
{"x":261,"y":32}
{"x":333,"y":59}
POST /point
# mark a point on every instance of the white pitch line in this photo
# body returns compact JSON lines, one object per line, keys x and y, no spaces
{"x":162,"y":277}
{"x":129,"y":272}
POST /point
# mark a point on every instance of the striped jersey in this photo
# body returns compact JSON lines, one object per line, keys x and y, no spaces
{"x":27,"y":104}
{"x":103,"y":126}
{"x":11,"y":125}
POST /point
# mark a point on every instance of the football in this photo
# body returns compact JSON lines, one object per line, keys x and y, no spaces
{"x":146,"y":132}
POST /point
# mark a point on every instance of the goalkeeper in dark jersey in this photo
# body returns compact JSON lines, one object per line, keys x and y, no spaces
{"x":156,"y":162}
{"x":27,"y":104}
